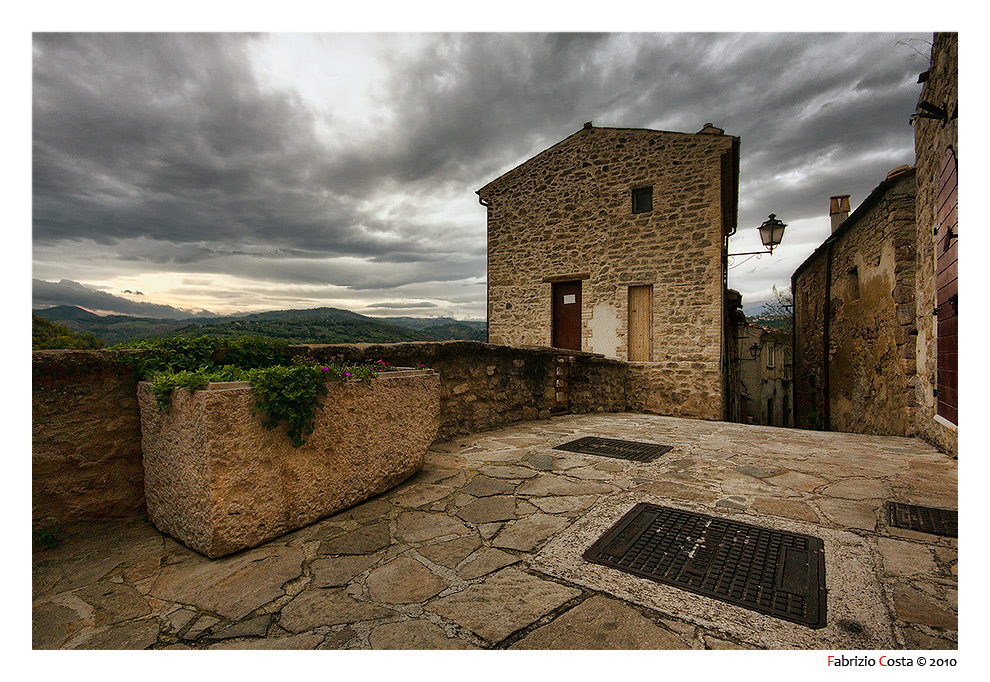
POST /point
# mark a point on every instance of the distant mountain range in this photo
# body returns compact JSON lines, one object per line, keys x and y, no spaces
{"x":315,"y":325}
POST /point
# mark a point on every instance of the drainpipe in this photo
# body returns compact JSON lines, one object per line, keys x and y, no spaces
{"x":488,"y":322}
{"x":828,"y":314}
{"x":794,"y":371}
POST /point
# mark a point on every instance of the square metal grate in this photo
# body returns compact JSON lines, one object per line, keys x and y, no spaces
{"x":924,"y":519}
{"x":774,"y":572}
{"x":618,"y":449}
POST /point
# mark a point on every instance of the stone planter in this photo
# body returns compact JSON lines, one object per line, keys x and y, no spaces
{"x":219,"y":481}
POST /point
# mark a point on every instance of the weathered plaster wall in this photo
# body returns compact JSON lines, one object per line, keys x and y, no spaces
{"x":931,"y":139}
{"x":567,"y":213}
{"x":869,"y":263}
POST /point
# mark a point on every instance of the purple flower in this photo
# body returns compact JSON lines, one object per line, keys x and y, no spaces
{"x":348,"y":374}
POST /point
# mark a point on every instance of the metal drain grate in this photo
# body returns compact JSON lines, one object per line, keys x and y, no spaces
{"x":619,"y":449}
{"x":774,"y":572}
{"x":924,"y":519}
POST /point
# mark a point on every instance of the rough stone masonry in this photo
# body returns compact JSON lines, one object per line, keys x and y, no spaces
{"x":569,"y":215}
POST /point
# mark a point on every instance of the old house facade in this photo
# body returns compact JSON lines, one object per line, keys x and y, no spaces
{"x":876,"y":305}
{"x":765,"y":376}
{"x":613,"y":241}
{"x":936,"y":145}
{"x":854,"y":316}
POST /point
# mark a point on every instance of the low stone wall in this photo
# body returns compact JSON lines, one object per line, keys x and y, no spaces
{"x":484,"y":386}
{"x":674,"y":389}
{"x":86,"y":449}
{"x":86,"y":438}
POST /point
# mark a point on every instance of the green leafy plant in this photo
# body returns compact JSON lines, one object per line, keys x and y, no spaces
{"x":287,"y":391}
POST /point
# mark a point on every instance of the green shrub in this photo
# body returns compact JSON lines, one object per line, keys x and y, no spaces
{"x":287,"y":391}
{"x":46,"y":335}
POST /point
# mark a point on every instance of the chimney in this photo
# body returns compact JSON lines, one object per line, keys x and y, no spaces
{"x":838,"y":209}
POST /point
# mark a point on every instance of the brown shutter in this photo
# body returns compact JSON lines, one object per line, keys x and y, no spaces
{"x":946,"y":291}
{"x":640,"y":323}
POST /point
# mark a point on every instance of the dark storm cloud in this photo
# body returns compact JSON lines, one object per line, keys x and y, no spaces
{"x":171,"y":137}
{"x":66,"y":292}
{"x":171,"y":150}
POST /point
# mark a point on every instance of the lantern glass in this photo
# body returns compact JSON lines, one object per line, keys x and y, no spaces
{"x":772,"y":232}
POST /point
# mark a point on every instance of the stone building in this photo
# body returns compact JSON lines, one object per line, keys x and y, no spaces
{"x":765,"y":376}
{"x":876,"y":305}
{"x":936,"y":145}
{"x":613,"y":241}
{"x":855,"y":318}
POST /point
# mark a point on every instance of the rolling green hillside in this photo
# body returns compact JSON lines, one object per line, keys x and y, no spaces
{"x":47,"y":335}
{"x":316,"y":325}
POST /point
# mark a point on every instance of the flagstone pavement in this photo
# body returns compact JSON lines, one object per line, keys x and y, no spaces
{"x":482,"y":549}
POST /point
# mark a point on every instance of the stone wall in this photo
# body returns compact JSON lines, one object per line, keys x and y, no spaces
{"x":85,"y":438}
{"x":675,"y":389}
{"x":871,"y":336}
{"x":869,"y":264}
{"x":931,"y":139}
{"x":808,"y":287}
{"x":86,"y":450}
{"x":566,"y":214}
{"x":484,"y":386}
{"x":765,"y":385}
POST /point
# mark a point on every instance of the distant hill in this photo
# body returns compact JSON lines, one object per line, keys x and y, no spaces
{"x":770,"y":322}
{"x":110,"y":329}
{"x":314,"y":325}
{"x":66,"y":312}
{"x":444,"y":327}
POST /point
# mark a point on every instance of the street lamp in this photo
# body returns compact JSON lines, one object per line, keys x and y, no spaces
{"x":771,"y":234}
{"x":754,"y":350}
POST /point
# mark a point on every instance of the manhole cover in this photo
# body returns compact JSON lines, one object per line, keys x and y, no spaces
{"x":619,"y":449}
{"x":774,"y":572}
{"x":925,"y":519}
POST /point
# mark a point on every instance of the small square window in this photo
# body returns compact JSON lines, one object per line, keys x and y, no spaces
{"x":642,"y":200}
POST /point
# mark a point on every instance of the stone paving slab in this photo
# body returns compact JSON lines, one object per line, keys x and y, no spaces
{"x":481,"y":549}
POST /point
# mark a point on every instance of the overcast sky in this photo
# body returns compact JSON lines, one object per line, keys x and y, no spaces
{"x":187,"y":173}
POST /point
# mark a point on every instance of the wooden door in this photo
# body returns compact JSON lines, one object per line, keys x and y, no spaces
{"x":567,"y":315}
{"x":640,"y":323}
{"x":947,"y":292}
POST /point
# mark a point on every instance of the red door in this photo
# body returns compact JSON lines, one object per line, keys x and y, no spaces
{"x":567,"y":315}
{"x":947,"y":292}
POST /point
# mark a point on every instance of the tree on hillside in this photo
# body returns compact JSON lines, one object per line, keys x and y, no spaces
{"x":47,"y":335}
{"x":777,"y":312}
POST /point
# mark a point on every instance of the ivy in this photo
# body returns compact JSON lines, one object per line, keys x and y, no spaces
{"x":287,"y":391}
